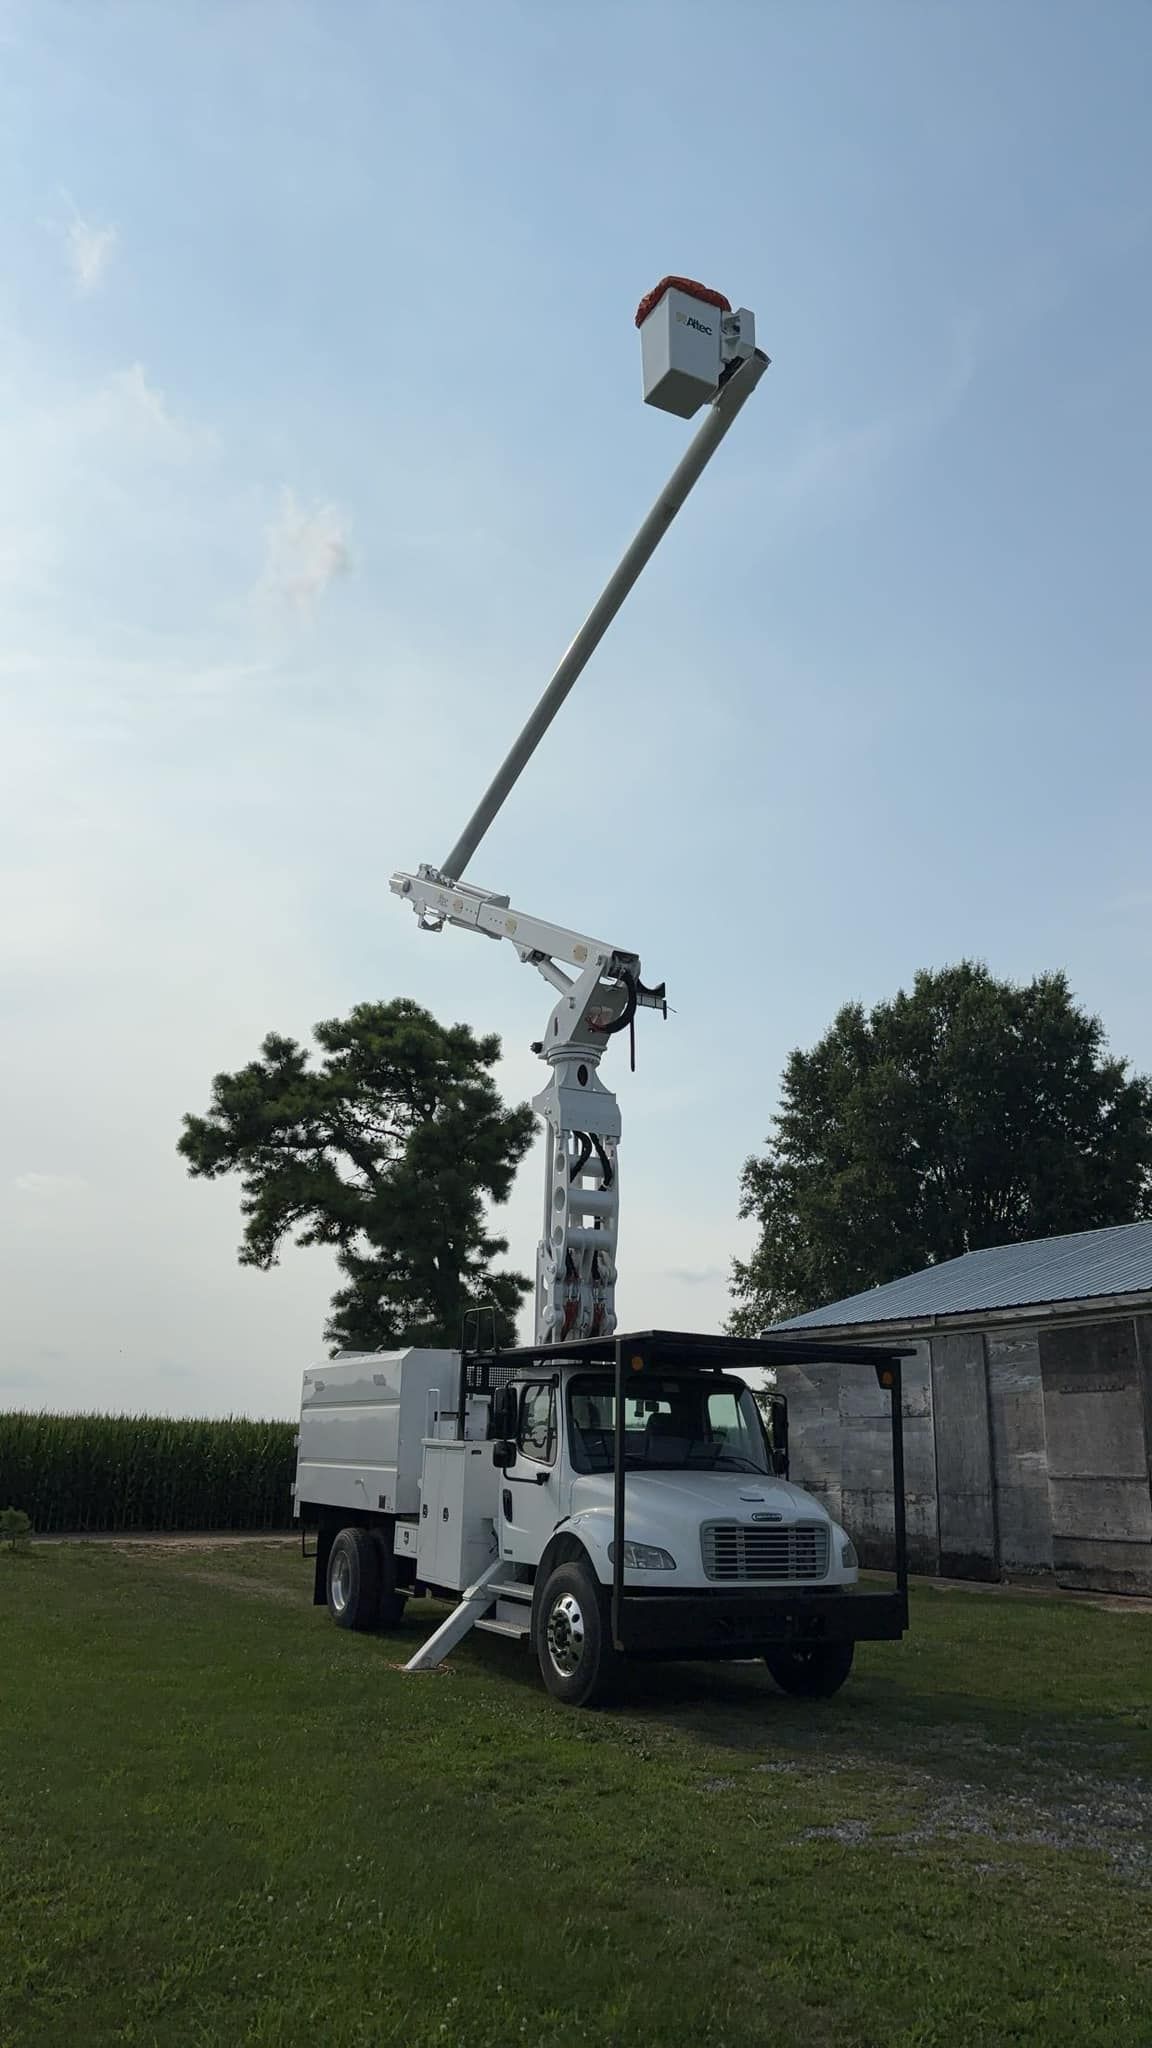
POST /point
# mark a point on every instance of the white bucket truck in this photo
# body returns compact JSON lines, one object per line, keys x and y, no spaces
{"x":602,"y":1496}
{"x":504,"y":1481}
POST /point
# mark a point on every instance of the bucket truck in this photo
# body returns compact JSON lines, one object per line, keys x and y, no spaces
{"x":599,"y":1496}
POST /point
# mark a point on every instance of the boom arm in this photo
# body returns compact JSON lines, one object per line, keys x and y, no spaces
{"x":739,"y":386}
{"x":438,"y":902}
{"x":576,"y":1259}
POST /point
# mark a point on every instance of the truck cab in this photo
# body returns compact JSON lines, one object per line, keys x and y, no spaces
{"x":603,"y":1500}
{"x":708,"y":1497}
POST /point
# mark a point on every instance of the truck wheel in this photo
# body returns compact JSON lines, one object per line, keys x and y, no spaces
{"x":354,"y":1579}
{"x":392,"y":1602}
{"x":576,"y":1659}
{"x":813,"y":1673}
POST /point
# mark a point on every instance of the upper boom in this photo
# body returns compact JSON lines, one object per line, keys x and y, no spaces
{"x":729,"y":399}
{"x":696,"y":351}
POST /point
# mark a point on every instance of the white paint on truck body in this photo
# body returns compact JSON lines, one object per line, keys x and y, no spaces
{"x":376,"y":1435}
{"x":363,"y":1421}
{"x":714,"y":1525}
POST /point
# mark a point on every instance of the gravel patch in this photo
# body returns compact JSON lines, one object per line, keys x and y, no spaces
{"x":1074,"y":1810}
{"x":847,"y":1831}
{"x":1082,"y":1812}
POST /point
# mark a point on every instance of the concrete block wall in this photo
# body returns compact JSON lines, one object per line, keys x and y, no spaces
{"x":840,"y":1439}
{"x":1026,"y":1450}
{"x":1019,"y":1454}
{"x":1097,"y":1402}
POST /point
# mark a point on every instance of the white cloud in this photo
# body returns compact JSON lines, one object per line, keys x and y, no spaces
{"x":836,"y":462}
{"x":835,"y":459}
{"x":304,"y":550}
{"x":127,"y":395}
{"x":127,"y":406}
{"x":90,"y":249}
{"x":60,"y":422}
{"x":101,"y":486}
{"x":48,"y":1187}
{"x":1130,"y":903}
{"x":83,"y":476}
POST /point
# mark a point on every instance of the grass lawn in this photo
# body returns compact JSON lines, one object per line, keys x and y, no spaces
{"x":225,"y":1821}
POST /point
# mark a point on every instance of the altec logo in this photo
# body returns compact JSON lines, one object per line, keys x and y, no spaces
{"x":690,"y":320}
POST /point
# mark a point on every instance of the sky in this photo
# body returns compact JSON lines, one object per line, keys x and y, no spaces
{"x":320,"y":431}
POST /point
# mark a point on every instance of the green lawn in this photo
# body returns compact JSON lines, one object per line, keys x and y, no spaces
{"x":225,"y":1821}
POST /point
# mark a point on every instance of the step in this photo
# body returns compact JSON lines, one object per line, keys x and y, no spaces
{"x":511,"y":1629}
{"x":515,"y":1589}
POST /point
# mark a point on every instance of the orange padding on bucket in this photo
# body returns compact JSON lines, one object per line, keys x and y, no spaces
{"x":680,"y":284}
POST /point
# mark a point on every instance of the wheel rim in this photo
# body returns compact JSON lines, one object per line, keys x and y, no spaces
{"x":340,"y":1582}
{"x":566,"y":1635}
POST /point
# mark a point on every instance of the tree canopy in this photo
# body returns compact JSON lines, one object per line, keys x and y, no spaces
{"x":386,"y":1150}
{"x":970,"y":1112}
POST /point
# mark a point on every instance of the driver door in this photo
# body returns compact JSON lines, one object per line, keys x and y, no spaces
{"x":530,"y":1489}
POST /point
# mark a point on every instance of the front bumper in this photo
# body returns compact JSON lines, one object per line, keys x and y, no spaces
{"x":730,"y":1623}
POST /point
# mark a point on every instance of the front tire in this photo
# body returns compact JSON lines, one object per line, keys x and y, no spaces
{"x":353,"y":1581}
{"x":573,"y":1649}
{"x":812,"y":1673}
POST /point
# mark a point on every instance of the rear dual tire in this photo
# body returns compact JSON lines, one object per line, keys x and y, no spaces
{"x":361,"y":1580}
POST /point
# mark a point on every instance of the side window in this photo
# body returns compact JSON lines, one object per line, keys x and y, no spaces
{"x":730,"y":1428}
{"x":723,"y":1414}
{"x":537,"y":1434}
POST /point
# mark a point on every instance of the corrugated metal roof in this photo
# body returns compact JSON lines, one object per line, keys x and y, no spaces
{"x":1047,"y":1269}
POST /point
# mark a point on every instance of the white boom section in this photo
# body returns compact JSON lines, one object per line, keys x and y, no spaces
{"x":576,"y":1260}
{"x":722,"y":410}
{"x":576,"y":1257}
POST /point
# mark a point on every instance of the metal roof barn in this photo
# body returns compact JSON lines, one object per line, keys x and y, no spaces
{"x":1028,"y":1412}
{"x":1048,"y":1271}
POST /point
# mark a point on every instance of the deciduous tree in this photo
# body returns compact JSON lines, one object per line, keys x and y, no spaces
{"x":969,"y":1112}
{"x":387,"y":1149}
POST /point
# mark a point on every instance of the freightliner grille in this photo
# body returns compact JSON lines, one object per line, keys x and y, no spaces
{"x":741,"y":1550}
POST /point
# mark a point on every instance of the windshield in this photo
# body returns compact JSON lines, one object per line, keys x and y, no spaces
{"x":672,"y":1423}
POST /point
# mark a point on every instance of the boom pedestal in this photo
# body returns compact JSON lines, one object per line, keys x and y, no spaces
{"x":576,"y":1258}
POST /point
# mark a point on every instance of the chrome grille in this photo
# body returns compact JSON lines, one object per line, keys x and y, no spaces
{"x":741,"y":1550}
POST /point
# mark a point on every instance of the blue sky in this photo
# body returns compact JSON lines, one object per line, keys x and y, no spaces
{"x":321,"y":428}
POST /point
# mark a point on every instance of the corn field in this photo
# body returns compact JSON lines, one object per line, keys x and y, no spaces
{"x":95,"y":1472}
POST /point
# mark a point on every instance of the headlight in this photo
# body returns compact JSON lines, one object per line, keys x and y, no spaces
{"x":645,"y":1557}
{"x":848,"y":1557}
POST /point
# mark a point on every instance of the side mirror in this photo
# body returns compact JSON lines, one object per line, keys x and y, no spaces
{"x":504,"y":1412}
{"x":778,"y":1418}
{"x":503,"y":1453}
